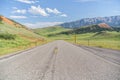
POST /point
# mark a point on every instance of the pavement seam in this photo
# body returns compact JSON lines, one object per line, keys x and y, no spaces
{"x":54,"y":61}
{"x":49,"y":63}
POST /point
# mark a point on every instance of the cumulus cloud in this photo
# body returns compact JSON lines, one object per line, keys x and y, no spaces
{"x":18,"y":17}
{"x":55,"y":11}
{"x":37,"y":10}
{"x":23,"y":11}
{"x":64,"y":15}
{"x":27,"y":1}
{"x":41,"y":24}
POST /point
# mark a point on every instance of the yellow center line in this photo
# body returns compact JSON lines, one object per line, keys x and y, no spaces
{"x":56,"y":50}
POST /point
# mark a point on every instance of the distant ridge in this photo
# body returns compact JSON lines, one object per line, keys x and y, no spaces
{"x":104,"y":25}
{"x":92,"y":28}
{"x":113,"y":21}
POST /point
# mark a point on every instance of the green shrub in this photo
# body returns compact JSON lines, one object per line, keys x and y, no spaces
{"x":1,"y":22}
{"x":7,"y":36}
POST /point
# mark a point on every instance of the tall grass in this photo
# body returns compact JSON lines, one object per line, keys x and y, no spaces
{"x":9,"y":46}
{"x":104,"y":40}
{"x":111,"y":44}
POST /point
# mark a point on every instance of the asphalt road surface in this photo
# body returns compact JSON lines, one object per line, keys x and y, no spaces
{"x":60,"y":60}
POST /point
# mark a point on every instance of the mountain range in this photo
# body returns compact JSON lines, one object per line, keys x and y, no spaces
{"x":113,"y":21}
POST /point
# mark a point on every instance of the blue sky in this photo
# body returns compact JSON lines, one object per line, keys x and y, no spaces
{"x":42,"y":13}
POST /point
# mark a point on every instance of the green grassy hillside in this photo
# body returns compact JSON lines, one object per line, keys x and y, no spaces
{"x":91,"y":35}
{"x":14,"y":37}
{"x":49,"y":30}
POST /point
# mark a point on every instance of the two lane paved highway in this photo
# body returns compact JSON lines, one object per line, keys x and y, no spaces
{"x":58,"y":60}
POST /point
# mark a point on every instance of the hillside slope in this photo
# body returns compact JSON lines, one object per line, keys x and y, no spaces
{"x":49,"y":30}
{"x":113,"y":21}
{"x":15,"y":36}
{"x":12,"y":27}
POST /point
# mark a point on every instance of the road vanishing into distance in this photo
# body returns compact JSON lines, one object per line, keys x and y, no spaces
{"x":60,"y":60}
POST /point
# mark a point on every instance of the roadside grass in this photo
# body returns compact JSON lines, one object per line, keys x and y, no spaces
{"x":10,"y":43}
{"x":13,"y":38}
{"x":106,"y":39}
{"x":10,"y":46}
{"x":111,"y":44}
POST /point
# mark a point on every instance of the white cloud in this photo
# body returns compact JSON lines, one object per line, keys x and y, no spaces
{"x":38,"y":11}
{"x":23,"y":11}
{"x":55,"y":11}
{"x":14,"y":7}
{"x":28,"y":1}
{"x":64,"y":15}
{"x":18,"y":17}
{"x":41,"y":24}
